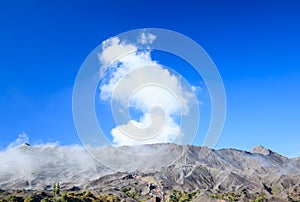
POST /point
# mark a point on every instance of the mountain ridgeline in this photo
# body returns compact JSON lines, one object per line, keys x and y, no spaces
{"x":225,"y":174}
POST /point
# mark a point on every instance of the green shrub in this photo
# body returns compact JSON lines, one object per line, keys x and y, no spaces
{"x":131,"y":194}
{"x":43,"y":194}
{"x":29,"y":199}
{"x":46,"y":199}
{"x":178,"y":196}
{"x":107,"y":198}
{"x":276,"y":190}
{"x":259,"y":198}
{"x":56,"y":188}
{"x":13,"y":198}
{"x":232,"y":196}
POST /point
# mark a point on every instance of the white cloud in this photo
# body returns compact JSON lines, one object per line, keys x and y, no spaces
{"x":128,"y":63}
{"x":141,"y":83}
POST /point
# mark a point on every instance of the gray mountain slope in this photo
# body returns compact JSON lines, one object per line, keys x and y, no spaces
{"x":199,"y":169}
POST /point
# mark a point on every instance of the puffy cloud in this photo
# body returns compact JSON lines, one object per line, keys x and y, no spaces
{"x":113,"y":49}
{"x":136,"y":81}
{"x":120,"y":69}
{"x":144,"y":132}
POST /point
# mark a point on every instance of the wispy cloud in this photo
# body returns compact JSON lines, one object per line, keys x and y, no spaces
{"x":22,"y":138}
{"x":146,"y":38}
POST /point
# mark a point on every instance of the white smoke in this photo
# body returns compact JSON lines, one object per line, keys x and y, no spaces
{"x":38,"y":167}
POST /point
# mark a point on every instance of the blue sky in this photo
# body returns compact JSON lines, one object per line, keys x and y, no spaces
{"x":254,"y":44}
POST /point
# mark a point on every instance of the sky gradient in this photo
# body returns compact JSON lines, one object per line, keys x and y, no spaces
{"x":254,"y":44}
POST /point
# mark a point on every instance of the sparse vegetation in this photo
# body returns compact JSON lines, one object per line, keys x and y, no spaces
{"x":56,"y":188}
{"x":231,"y":196}
{"x":43,"y":194}
{"x":260,"y":198}
{"x":276,"y":190}
{"x":85,"y":196}
{"x":46,"y":199}
{"x":292,"y":199}
{"x":13,"y":198}
{"x":128,"y":191}
{"x":178,"y":196}
{"x":30,"y":199}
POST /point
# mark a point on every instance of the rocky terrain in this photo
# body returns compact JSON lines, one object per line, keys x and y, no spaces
{"x":199,"y":174}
